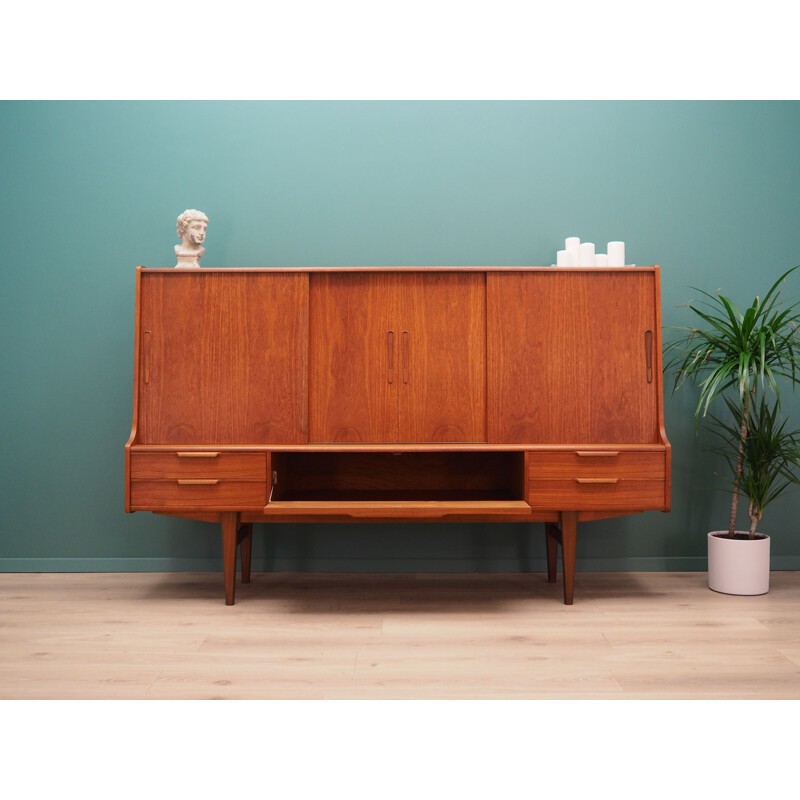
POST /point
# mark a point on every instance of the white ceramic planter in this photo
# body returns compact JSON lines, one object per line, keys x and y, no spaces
{"x":738,"y":566}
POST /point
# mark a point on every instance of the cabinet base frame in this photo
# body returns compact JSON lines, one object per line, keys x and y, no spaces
{"x":562,"y":531}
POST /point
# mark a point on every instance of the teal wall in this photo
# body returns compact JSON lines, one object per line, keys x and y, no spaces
{"x":709,"y":190}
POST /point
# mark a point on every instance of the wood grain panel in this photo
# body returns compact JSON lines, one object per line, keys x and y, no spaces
{"x":443,"y":357}
{"x":567,"y":359}
{"x":543,"y":464}
{"x":218,"y":365}
{"x":571,"y":494}
{"x":397,"y":357}
{"x":164,"y":466}
{"x":351,"y":398}
{"x":213,"y":496}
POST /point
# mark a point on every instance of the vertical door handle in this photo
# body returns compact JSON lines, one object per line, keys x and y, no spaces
{"x":405,"y":356}
{"x":146,"y":355}
{"x":648,"y":354}
{"x":390,"y":354}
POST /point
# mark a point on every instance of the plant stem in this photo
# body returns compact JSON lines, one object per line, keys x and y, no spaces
{"x":754,"y":519}
{"x":739,"y":465}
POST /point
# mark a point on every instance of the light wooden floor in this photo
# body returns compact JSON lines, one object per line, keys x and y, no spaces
{"x":629,"y":635}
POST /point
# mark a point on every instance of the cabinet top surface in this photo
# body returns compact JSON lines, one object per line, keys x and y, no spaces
{"x":175,"y":271}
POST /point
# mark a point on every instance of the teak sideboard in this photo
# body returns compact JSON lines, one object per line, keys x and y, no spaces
{"x":493,"y":394}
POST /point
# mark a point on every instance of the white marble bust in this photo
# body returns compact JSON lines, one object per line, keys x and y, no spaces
{"x":192,"y":225}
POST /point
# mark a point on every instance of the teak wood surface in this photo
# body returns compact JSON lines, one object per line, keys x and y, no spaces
{"x":568,"y":360}
{"x":398,"y":394}
{"x":218,"y":367}
{"x":397,"y":357}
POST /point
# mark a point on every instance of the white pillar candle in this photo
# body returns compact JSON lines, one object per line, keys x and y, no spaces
{"x":600,"y":260}
{"x":573,"y":244}
{"x":616,"y":254}
{"x":587,"y":254}
{"x":563,"y":259}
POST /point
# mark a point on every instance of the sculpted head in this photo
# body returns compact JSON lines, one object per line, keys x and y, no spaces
{"x":192,"y":225}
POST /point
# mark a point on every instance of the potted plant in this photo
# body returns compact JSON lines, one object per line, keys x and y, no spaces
{"x":741,"y":357}
{"x":770,"y":463}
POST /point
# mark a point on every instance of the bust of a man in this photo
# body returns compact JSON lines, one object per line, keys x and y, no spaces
{"x":192,"y":225}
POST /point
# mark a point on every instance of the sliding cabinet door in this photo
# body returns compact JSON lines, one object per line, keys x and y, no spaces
{"x":397,"y":357}
{"x":222,"y":357}
{"x":571,"y":357}
{"x":442,"y":353}
{"x":353,"y":367}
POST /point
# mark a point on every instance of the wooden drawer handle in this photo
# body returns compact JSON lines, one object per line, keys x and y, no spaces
{"x":197,"y":455}
{"x":596,"y":480}
{"x":198,"y":482}
{"x":596,"y":453}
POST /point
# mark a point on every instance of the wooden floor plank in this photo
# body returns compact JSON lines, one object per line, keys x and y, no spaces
{"x":294,"y":636}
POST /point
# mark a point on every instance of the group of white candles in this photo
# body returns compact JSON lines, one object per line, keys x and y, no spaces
{"x":579,"y":254}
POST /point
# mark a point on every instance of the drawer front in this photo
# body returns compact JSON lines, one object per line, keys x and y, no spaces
{"x":596,"y":464}
{"x":193,"y":464}
{"x":212,"y":495}
{"x":596,"y":494}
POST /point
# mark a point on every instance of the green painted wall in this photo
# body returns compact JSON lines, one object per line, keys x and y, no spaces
{"x":709,"y":190}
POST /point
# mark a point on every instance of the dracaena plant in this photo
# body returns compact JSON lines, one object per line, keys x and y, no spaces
{"x":742,"y":356}
{"x":770,"y":454}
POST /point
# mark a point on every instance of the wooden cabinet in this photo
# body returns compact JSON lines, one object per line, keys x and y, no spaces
{"x":407,"y":394}
{"x":397,"y":357}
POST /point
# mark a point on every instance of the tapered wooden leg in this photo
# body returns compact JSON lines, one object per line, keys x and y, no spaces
{"x":230,"y":526}
{"x":569,"y":535}
{"x":552,"y":539}
{"x":246,"y":539}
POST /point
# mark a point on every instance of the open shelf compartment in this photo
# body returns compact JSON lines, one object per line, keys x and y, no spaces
{"x":435,"y":483}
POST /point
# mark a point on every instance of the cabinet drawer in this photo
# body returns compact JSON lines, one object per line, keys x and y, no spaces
{"x":596,"y":464}
{"x":193,"y":464}
{"x":213,"y":495}
{"x":596,"y":494}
